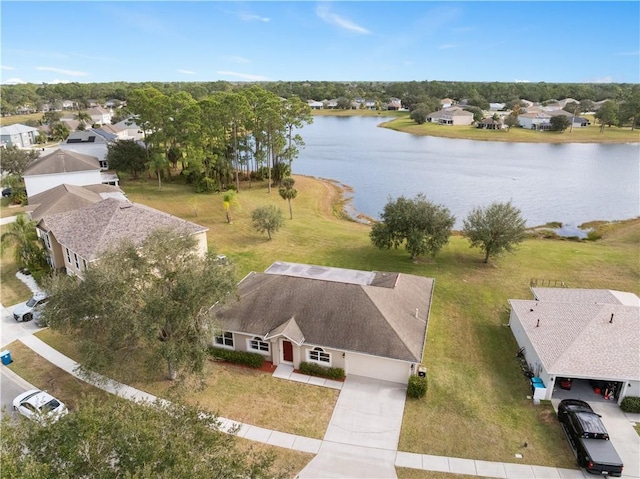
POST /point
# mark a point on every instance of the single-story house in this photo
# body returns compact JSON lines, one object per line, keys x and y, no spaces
{"x":128,"y":130}
{"x":451,"y":116}
{"x":582,"y":335}
{"x":446,"y":103}
{"x":315,"y":105}
{"x":100,"y":116}
{"x":535,"y":121}
{"x":64,"y":167}
{"x":491,"y":124}
{"x":69,"y":105}
{"x":22,"y":136}
{"x":64,"y":197}
{"x":371,"y":324}
{"x":73,"y":239}
{"x":394,"y":104}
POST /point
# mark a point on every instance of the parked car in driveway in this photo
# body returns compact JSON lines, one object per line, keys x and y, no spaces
{"x":24,"y":311}
{"x":588,"y":438}
{"x":6,"y":192}
{"x":39,"y":406}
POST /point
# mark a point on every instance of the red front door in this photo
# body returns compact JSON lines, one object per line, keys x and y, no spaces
{"x":287,"y":351}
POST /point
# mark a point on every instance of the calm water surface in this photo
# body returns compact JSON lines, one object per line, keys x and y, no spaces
{"x":571,"y":183}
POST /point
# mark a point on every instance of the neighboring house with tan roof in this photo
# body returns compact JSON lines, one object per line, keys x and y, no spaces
{"x":535,"y":121}
{"x":370,"y":324}
{"x":100,"y":115}
{"x":581,"y":334}
{"x":73,"y":239}
{"x":451,"y":116}
{"x":70,"y":197}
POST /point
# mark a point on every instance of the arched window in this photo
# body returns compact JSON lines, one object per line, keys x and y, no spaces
{"x":318,"y":355}
{"x":258,"y":345}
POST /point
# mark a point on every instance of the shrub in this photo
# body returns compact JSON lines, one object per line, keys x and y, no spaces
{"x":417,"y":387}
{"x":630,"y":404}
{"x":593,"y":235}
{"x":206,"y":185}
{"x":313,"y":369}
{"x":252,"y":360}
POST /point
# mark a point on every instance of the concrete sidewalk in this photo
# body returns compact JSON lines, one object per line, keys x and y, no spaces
{"x":338,"y":460}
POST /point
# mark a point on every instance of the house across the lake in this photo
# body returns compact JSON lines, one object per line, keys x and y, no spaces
{"x":371,"y":324}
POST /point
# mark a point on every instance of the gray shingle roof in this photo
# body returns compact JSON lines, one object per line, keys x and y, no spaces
{"x":579,"y":338}
{"x":577,"y":295}
{"x":381,"y":318}
{"x":65,"y":197}
{"x":62,"y":161}
{"x":16,"y":129}
{"x":91,"y":230}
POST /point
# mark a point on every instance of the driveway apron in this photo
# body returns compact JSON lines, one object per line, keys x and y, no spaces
{"x":363,"y":433}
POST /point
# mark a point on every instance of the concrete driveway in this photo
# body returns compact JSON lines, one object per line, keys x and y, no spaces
{"x":363,"y":434}
{"x":623,"y":436}
{"x":368,"y":413}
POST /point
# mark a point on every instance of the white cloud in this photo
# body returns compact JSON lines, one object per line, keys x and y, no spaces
{"x":250,"y":17}
{"x":522,"y":81}
{"x":605,"y":79}
{"x":5,"y":67}
{"x":237,"y":59}
{"x":13,"y":81}
{"x":323,"y":12}
{"x":56,"y":81}
{"x":243,"y":76}
{"x":186,"y":72}
{"x":71,"y":73}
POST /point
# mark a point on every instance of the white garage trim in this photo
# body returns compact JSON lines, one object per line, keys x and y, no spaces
{"x":377,"y":367}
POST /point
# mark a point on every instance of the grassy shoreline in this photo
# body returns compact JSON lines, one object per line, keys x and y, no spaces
{"x":400,"y":121}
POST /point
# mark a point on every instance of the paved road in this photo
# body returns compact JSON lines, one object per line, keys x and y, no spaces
{"x":10,"y":386}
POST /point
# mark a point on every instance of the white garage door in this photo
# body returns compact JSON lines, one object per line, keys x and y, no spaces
{"x":378,"y":368}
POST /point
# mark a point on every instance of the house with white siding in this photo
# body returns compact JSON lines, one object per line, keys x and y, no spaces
{"x":535,"y":121}
{"x":583,"y":335}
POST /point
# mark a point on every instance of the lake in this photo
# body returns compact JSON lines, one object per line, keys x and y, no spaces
{"x":572,"y":183}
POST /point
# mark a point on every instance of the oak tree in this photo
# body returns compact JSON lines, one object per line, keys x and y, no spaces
{"x":494,"y":229}
{"x":422,"y":226}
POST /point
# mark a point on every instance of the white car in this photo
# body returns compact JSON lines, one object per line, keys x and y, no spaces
{"x":24,"y":311}
{"x":39,"y":406}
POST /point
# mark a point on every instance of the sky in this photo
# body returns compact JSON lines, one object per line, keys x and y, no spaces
{"x":543,"y":41}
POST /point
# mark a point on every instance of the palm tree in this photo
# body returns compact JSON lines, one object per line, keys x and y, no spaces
{"x":22,"y":235}
{"x":288,"y":192}
{"x":229,"y":199}
{"x":83,"y":117}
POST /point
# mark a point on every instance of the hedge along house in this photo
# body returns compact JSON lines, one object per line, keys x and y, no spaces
{"x":580,"y":334}
{"x":370,"y":324}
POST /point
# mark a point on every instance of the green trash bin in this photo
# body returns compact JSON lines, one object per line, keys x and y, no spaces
{"x":5,"y":356}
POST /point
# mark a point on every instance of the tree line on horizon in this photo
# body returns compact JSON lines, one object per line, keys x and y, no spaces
{"x":410,"y":93}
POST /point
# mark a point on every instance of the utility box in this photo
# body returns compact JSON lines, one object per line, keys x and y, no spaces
{"x":5,"y":357}
{"x":422,"y":372}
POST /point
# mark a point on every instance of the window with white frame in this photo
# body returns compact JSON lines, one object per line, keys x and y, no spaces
{"x":75,"y":258}
{"x":318,"y":355}
{"x":225,"y":339}
{"x":47,"y":241}
{"x":258,"y":345}
{"x":68,"y":255}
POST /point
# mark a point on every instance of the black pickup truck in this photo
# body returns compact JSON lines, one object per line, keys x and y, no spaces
{"x":589,"y":438}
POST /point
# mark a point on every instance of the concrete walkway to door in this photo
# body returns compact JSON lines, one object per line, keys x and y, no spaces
{"x":363,"y":434}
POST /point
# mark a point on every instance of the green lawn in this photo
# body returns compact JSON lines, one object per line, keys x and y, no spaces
{"x":476,"y":404}
{"x":12,"y":290}
{"x":14,"y":119}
